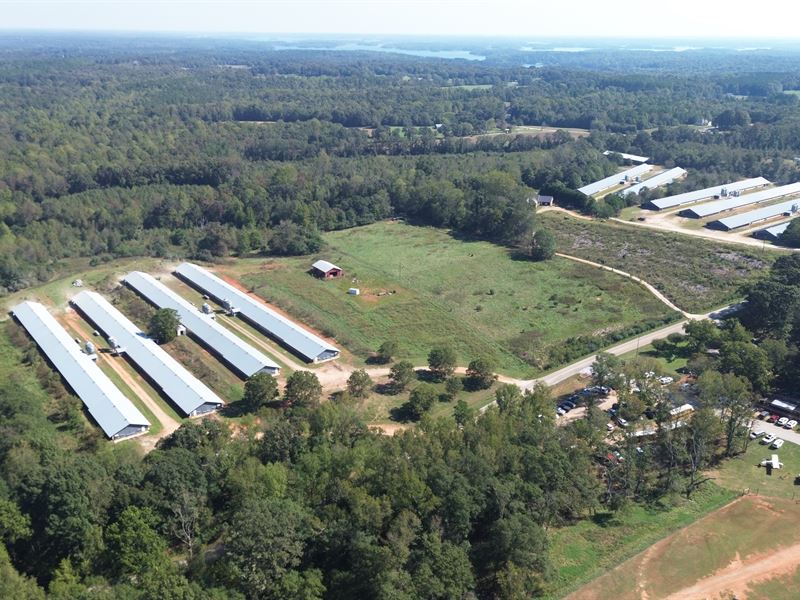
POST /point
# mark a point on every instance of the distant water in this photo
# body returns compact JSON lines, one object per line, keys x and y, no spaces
{"x":352,"y":47}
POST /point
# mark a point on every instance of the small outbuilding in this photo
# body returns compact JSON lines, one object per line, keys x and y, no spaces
{"x":545,"y":200}
{"x":325,"y":270}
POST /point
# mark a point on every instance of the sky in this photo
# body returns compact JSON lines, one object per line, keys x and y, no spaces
{"x":513,"y":18}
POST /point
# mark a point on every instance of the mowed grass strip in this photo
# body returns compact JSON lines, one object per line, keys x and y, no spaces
{"x":421,"y":287}
{"x":588,"y":549}
{"x":697,"y":275}
{"x":746,"y":530}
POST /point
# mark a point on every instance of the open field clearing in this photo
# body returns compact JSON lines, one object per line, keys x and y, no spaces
{"x":419,"y":286}
{"x":735,"y":549}
{"x":588,"y":549}
{"x":697,"y":275}
{"x":757,"y":533}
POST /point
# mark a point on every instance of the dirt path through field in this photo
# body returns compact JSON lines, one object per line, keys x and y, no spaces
{"x":168,"y":424}
{"x":649,"y":287}
{"x":734,"y":580}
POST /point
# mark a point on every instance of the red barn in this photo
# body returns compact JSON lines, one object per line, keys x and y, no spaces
{"x":325,"y":270}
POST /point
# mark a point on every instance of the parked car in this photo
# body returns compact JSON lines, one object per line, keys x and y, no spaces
{"x":622,"y":422}
{"x":612,"y":412}
{"x":791,"y":424}
{"x":666,"y":380}
{"x":610,"y":427}
{"x":560,"y":411}
{"x":569,"y":403}
{"x":618,"y":455}
{"x":756,"y":434}
{"x":777,"y":444}
{"x":783,"y":421}
{"x":762,"y":414}
{"x":773,"y":418}
{"x":768,"y":439}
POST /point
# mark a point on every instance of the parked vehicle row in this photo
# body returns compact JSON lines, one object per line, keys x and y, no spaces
{"x":778,"y":420}
{"x":769,"y":439}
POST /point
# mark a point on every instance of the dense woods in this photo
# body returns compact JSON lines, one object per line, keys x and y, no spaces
{"x":193,"y":149}
{"x":181,"y":149}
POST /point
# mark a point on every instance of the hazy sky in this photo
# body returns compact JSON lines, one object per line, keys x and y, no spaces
{"x":534,"y":18}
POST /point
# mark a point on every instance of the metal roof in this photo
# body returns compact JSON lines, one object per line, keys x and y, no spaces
{"x":631,"y":157}
{"x":774,"y":232}
{"x":697,"y":195}
{"x":612,"y":180}
{"x":324,"y":266}
{"x":235,"y":351}
{"x":663,"y":178}
{"x":754,"y":216}
{"x":184,"y":389}
{"x":113,"y":412}
{"x":305,"y":343}
{"x":718,"y":206}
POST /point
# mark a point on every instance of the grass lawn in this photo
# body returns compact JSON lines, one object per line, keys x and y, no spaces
{"x":588,"y":549}
{"x":746,"y":530}
{"x":669,"y":365}
{"x":742,"y":472}
{"x":696,"y":274}
{"x":420,"y":287}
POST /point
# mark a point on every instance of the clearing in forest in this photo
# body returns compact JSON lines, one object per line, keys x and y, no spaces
{"x":696,"y":274}
{"x":421,"y":287}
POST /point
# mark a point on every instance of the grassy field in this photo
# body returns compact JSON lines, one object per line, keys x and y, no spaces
{"x":730,"y":538}
{"x":765,"y":521}
{"x":742,"y":472}
{"x":696,"y":274}
{"x":419,"y":286}
{"x":587,"y":550}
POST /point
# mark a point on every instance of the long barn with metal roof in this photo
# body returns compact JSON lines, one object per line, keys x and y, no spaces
{"x":234,"y":351}
{"x":773,"y":233}
{"x":616,"y":179}
{"x":663,"y":178}
{"x":788,"y":208}
{"x":304,"y":343}
{"x":706,"y":193}
{"x":712,"y":208}
{"x":111,"y":410}
{"x":188,"y":393}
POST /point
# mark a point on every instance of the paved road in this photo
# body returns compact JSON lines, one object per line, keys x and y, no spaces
{"x":784,"y":434}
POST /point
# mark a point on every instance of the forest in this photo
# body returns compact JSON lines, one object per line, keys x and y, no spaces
{"x":194,"y":149}
{"x":175,"y":149}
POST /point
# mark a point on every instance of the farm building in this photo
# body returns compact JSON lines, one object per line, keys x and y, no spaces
{"x":616,"y":179}
{"x":723,"y":190}
{"x":726,"y":204}
{"x":187,"y":392}
{"x":787,"y":208}
{"x":773,"y":233}
{"x":632,"y":158}
{"x":663,"y":178}
{"x":230,"y":348}
{"x":304,"y":343}
{"x":111,"y":410}
{"x":325,"y":270}
{"x":545,"y":200}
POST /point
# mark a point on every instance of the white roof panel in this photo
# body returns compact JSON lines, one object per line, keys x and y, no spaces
{"x":184,"y":389}
{"x":754,"y":216}
{"x":305,"y":343}
{"x":775,"y":231}
{"x":612,"y":180}
{"x":630,"y":157}
{"x":113,"y":412}
{"x":324,"y":265}
{"x":718,"y":206}
{"x":235,"y":351}
{"x":664,"y":178}
{"x":697,"y":195}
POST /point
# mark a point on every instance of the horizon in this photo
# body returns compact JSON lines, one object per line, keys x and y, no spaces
{"x":479,"y":19}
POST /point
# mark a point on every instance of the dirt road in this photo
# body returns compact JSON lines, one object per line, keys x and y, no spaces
{"x":734,"y":580}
